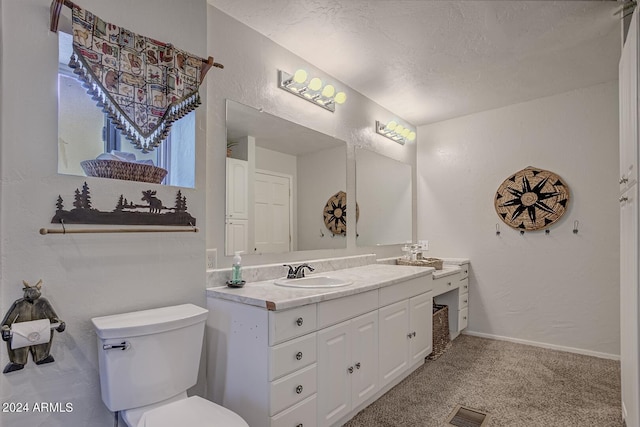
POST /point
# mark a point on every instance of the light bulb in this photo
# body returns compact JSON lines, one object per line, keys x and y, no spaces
{"x":411,"y":136}
{"x":340,"y":97}
{"x":399,"y":129}
{"x":315,"y":84}
{"x":328,"y":91}
{"x":300,"y":76}
{"x":405,"y":132}
{"x":391,"y":125}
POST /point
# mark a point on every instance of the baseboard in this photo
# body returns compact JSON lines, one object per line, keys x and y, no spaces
{"x":545,"y":345}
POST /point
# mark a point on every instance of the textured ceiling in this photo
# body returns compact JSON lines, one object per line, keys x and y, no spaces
{"x":432,"y":60}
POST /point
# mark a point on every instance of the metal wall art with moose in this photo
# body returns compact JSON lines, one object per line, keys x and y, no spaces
{"x":125,"y":211}
{"x":28,"y":328}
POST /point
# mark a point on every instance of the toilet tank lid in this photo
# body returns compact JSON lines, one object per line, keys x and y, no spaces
{"x":147,"y":322}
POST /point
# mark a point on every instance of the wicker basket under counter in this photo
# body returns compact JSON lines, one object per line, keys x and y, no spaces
{"x":441,"y":337}
{"x":424,"y":262}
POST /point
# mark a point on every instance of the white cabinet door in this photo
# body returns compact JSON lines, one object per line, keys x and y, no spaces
{"x":347,"y":366}
{"x":364,"y":350}
{"x":394,"y":331}
{"x":237,"y":189}
{"x":629,"y":303}
{"x":420,"y":327}
{"x":334,"y":380}
{"x":237,"y":236}
{"x":628,"y":98}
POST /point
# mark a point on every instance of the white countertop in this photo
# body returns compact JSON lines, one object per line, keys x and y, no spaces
{"x":373,"y":276}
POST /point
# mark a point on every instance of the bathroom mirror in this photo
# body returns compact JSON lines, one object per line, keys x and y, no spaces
{"x":280,"y":176}
{"x":383,"y":191}
{"x":84,"y":132}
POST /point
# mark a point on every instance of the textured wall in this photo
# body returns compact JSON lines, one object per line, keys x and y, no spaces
{"x":250,"y":77}
{"x":559,"y":289}
{"x":84,"y":275}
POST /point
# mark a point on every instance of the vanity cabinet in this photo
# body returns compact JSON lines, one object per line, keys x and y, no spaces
{"x":347,"y":366}
{"x":319,"y":363}
{"x":453,"y":290}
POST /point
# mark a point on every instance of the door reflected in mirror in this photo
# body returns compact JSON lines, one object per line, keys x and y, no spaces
{"x":383,"y":191}
{"x":280,"y":177}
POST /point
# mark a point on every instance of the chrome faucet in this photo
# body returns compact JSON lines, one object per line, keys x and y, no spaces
{"x":297,"y":272}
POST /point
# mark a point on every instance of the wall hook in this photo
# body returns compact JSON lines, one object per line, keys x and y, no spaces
{"x":547,"y":231}
{"x":497,"y":229}
{"x":522,"y":232}
{"x":575,"y":226}
{"x":321,"y":233}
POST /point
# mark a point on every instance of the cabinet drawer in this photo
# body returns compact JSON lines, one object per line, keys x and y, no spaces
{"x":405,"y":290}
{"x":463,"y":320}
{"x":292,"y":355}
{"x":463,"y":300}
{"x":335,"y":311}
{"x":304,"y":414}
{"x":445,"y":284}
{"x":292,"y":389}
{"x":465,"y":271}
{"x":464,"y":286}
{"x":295,"y":322}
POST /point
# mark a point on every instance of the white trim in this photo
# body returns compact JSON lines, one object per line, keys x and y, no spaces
{"x":545,"y":345}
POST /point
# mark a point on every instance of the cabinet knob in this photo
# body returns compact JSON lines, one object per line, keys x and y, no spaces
{"x":466,"y":301}
{"x":299,"y":321}
{"x":466,"y":286}
{"x":448,"y":283}
{"x":299,"y":355}
{"x":350,"y":369}
{"x":623,"y":180}
{"x":410,"y":335}
{"x":358,"y":365}
{"x":624,"y":199}
{"x":299,"y":425}
{"x":465,"y":317}
{"x":299,"y":389}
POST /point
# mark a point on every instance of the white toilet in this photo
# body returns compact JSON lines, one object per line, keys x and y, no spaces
{"x":148,"y":359}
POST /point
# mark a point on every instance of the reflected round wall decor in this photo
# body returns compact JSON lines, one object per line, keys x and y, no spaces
{"x":335,"y":213}
{"x":532,"y":199}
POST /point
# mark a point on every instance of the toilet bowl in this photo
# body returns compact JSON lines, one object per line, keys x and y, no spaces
{"x":148,"y":359}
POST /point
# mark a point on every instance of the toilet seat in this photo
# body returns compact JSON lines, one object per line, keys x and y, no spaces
{"x":193,"y":412}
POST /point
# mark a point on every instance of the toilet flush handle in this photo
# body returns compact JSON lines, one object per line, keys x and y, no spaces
{"x":122,"y":346}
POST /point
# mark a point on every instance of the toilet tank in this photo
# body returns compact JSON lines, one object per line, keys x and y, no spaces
{"x":161,"y":354}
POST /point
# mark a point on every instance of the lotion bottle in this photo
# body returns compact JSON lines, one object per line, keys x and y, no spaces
{"x":236,"y":268}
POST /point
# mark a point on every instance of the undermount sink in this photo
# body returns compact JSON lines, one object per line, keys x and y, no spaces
{"x":313,"y":282}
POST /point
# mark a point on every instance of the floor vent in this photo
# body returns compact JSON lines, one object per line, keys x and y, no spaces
{"x":463,"y":416}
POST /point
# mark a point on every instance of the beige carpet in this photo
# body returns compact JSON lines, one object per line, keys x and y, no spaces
{"x":518,"y":385}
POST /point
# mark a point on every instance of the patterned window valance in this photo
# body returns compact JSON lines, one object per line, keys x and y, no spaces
{"x":142,"y":84}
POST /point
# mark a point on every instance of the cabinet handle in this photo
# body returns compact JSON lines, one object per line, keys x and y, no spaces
{"x":624,"y":180}
{"x":465,"y":301}
{"x":299,"y":389}
{"x":624,"y":199}
{"x":358,"y":365}
{"x":299,"y":425}
{"x":466,"y":271}
{"x":350,"y":369}
{"x":466,"y":286}
{"x":299,"y":355}
{"x":410,"y":335}
{"x":299,"y":321}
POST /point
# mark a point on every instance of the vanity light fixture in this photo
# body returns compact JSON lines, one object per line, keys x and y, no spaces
{"x":311,"y":89}
{"x":396,"y":132}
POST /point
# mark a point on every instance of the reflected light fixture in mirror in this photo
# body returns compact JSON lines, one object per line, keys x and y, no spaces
{"x":395,"y":131}
{"x":312,"y":90}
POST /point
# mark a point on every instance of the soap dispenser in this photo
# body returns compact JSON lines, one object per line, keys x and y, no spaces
{"x":236,"y":272}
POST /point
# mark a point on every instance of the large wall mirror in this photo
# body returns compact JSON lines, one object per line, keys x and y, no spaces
{"x":280,"y":178}
{"x":86,"y":135}
{"x":383,"y":191}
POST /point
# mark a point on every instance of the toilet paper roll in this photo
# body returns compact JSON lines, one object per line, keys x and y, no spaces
{"x":29,"y":333}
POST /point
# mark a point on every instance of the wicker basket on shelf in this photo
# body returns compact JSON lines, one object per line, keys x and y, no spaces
{"x":424,"y":262}
{"x":123,"y":170}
